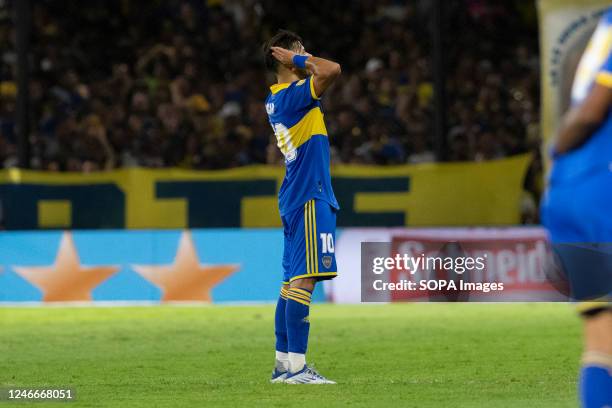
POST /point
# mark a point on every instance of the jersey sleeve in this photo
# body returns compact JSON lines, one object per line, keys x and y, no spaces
{"x":604,"y":75}
{"x":302,"y":94}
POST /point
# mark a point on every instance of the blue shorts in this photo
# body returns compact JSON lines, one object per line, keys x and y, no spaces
{"x":578,"y":217}
{"x":310,"y":237}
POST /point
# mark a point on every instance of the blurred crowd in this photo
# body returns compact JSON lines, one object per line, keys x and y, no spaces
{"x":181,"y":83}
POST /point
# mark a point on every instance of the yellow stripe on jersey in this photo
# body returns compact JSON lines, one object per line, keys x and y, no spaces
{"x":604,"y":78}
{"x":312,"y":90}
{"x":311,"y":124}
{"x":276,"y":88}
{"x":592,"y":59}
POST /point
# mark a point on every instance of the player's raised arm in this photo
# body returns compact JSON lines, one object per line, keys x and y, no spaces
{"x":582,"y":120}
{"x":324,"y":71}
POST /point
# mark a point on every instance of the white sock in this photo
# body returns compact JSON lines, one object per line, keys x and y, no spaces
{"x":297,"y":361}
{"x":282,"y":361}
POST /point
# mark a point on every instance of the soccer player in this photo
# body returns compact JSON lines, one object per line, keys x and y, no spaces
{"x":306,"y":200}
{"x":577,"y":208}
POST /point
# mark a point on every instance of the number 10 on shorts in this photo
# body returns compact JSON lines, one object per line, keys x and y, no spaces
{"x":327,"y":243}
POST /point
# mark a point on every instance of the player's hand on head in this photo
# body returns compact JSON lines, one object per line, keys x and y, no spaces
{"x":284,"y":56}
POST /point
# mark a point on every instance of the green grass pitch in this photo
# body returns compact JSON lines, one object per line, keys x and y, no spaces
{"x":404,"y":355}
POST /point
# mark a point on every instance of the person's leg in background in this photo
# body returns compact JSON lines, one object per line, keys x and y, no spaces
{"x":580,"y":238}
{"x":596,"y":372}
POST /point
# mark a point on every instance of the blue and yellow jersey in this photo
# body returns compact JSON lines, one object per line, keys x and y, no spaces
{"x":295,"y":114}
{"x":595,"y":67}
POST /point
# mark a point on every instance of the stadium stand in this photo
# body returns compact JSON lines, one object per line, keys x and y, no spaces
{"x":118,"y":84}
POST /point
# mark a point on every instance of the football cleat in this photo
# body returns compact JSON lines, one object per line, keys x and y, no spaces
{"x":278,"y":376}
{"x":307,"y":375}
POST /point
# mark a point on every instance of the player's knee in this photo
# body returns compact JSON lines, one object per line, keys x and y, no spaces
{"x":304,"y":283}
{"x":598,"y":332}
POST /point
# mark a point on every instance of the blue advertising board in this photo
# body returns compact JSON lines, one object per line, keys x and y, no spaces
{"x":215,"y":265}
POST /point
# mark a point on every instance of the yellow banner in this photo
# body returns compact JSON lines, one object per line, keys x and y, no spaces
{"x":436,"y":194}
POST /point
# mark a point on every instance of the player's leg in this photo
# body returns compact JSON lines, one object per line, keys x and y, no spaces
{"x":298,"y":327}
{"x":596,"y":372}
{"x":577,"y":218}
{"x":298,"y":323}
{"x":308,"y":267}
{"x":281,"y":365}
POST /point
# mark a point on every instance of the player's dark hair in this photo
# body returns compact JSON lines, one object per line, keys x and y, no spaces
{"x":283,"y":38}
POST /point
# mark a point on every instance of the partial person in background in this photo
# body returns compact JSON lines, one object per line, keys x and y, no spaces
{"x":577,"y":209}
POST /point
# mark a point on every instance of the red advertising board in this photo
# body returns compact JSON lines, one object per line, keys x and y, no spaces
{"x":514,"y":261}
